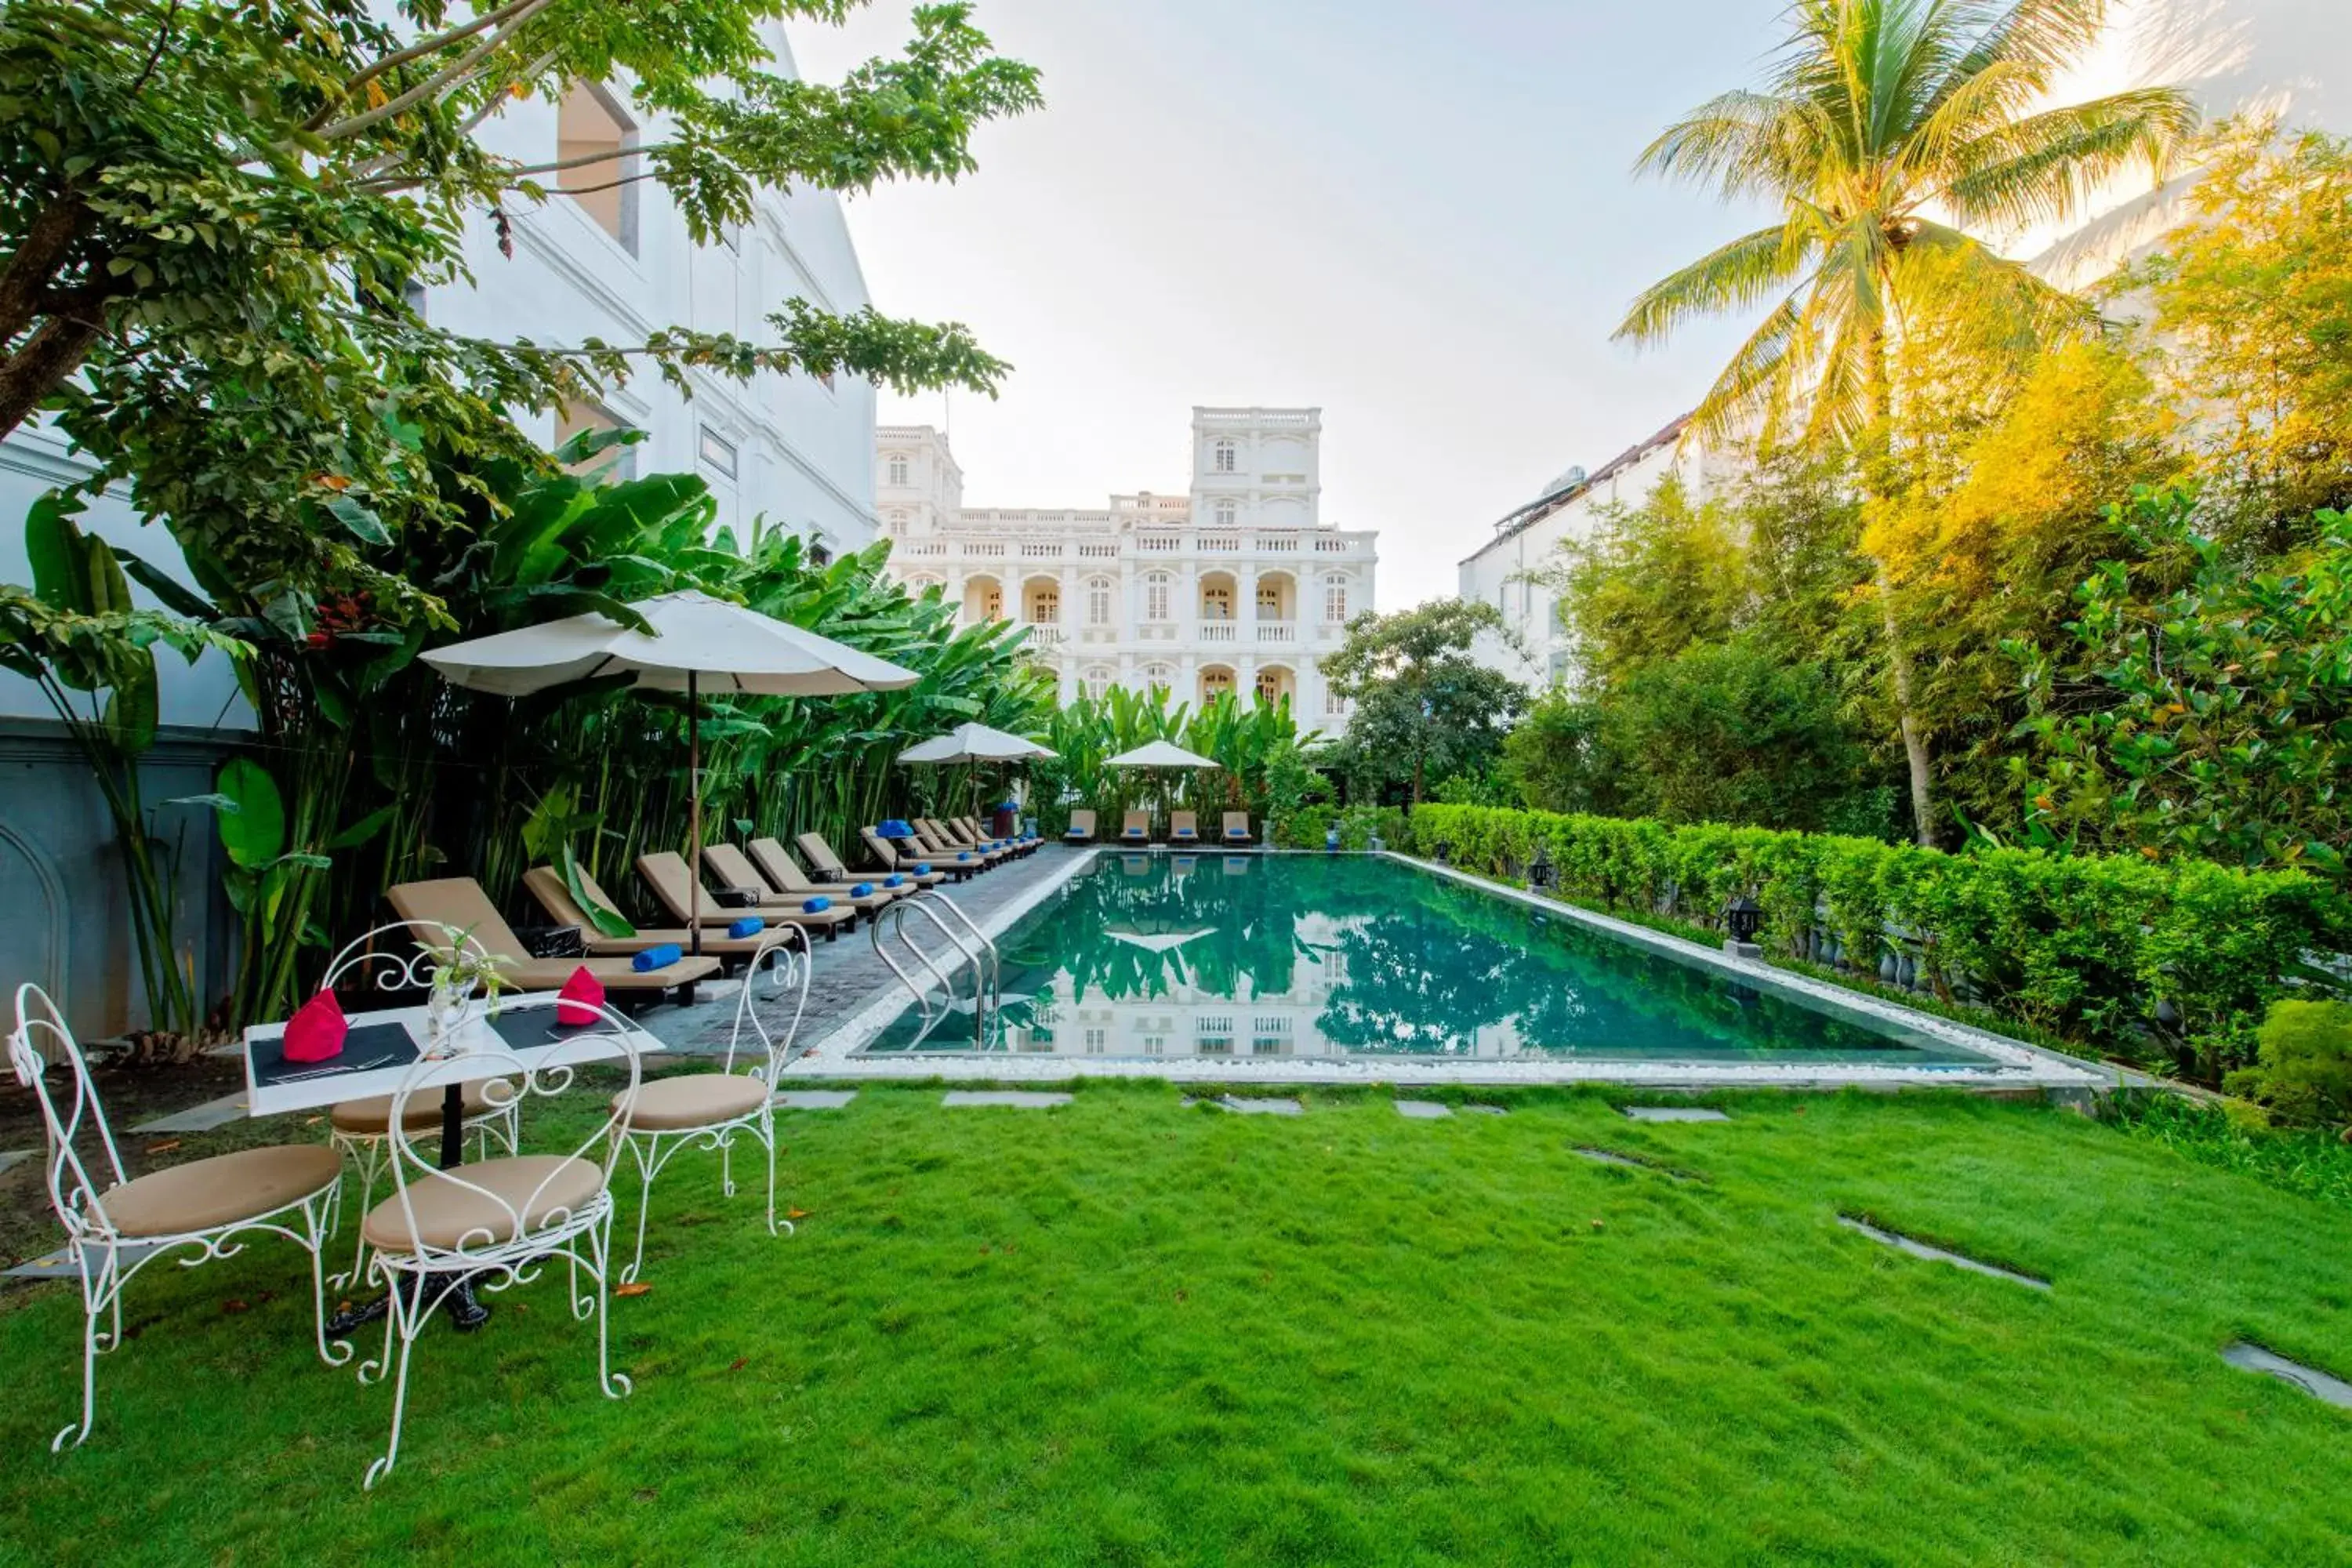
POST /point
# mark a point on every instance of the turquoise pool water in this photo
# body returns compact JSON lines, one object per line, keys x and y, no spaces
{"x":1357,"y":956}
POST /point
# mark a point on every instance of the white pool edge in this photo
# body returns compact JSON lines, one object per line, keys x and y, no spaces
{"x":2014,"y":1065}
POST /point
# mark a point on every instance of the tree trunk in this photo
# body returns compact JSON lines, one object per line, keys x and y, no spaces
{"x":32,"y":372}
{"x":1877,"y":459}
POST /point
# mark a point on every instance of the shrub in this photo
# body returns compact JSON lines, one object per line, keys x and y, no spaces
{"x":2116,"y":953}
{"x":2304,"y":1064}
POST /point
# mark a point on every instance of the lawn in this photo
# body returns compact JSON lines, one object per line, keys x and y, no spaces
{"x":1125,"y":1332}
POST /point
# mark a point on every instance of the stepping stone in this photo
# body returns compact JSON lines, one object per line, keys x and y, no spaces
{"x":1253,"y":1105}
{"x":56,"y":1265}
{"x":1674,"y":1113}
{"x":813,"y":1098}
{"x":1938,"y":1255}
{"x":1423,"y":1110}
{"x":15,"y":1157}
{"x":1486,"y":1110}
{"x":2310,"y":1379}
{"x":1002,"y":1097}
{"x":202,"y":1118}
{"x":1604,"y":1157}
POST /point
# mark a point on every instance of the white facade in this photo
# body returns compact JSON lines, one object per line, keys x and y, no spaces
{"x":1234,"y":585}
{"x":1537,"y":648}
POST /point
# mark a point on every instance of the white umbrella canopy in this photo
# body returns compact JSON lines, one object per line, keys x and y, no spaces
{"x":1160,"y":755}
{"x":696,"y":642}
{"x":974,"y":743}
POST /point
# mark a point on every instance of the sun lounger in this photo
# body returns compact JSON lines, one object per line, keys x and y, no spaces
{"x":1137,"y":828}
{"x":433,"y":907}
{"x":977,"y":830}
{"x":887,"y":857}
{"x":1183,"y":828}
{"x":1081,"y":829}
{"x":545,"y":884}
{"x":1237,"y":828}
{"x":960,"y":837}
{"x":730,"y":867}
{"x":667,"y":875}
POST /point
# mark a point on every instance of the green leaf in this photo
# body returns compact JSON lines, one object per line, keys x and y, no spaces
{"x":131,"y":709}
{"x":254,"y":833}
{"x":53,"y":544}
{"x":608,"y":923}
{"x":365,"y":829}
{"x":364,"y":524}
{"x":175,"y":597}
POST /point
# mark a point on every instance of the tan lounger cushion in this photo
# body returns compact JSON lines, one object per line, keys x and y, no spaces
{"x":697,"y":1100}
{"x":448,"y":1213}
{"x":374,"y":1115}
{"x":204,"y":1194}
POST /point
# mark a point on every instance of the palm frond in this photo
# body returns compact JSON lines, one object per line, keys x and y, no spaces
{"x":1732,"y":277}
{"x":1750,"y":395}
{"x":2043,"y":167}
{"x":1741,"y":142}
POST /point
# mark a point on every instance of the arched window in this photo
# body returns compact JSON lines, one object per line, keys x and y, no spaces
{"x":1221,"y":456}
{"x":1098,"y":597}
{"x":1155,"y":596}
{"x":1158,"y":675}
{"x":1226,"y":512}
{"x":919,"y":586}
{"x":1097,"y":682}
{"x":1335,"y":601}
{"x":898,"y":468}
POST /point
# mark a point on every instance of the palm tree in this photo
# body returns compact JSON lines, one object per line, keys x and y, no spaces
{"x":1887,"y":128}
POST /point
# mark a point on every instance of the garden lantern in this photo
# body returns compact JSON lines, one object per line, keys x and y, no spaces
{"x":1444,"y":850}
{"x":1743,"y":916}
{"x":1541,"y":873}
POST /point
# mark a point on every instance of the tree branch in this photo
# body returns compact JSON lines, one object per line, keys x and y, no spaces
{"x":37,"y":258}
{"x":434,"y":86}
{"x":417,"y":51}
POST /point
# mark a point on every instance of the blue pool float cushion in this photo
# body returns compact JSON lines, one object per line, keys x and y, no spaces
{"x":655,"y":958}
{"x":749,"y":925}
{"x":816,"y":906}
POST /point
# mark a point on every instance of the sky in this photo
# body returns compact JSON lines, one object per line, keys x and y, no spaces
{"x":1419,"y":216}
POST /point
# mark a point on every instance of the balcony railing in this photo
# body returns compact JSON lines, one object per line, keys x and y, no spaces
{"x":1217,"y":631}
{"x":1277,"y":631}
{"x":1043,"y":635}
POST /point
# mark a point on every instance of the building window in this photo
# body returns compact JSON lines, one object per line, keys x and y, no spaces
{"x":573,"y":418}
{"x":1098,"y":683}
{"x":1098,"y":591}
{"x":1155,"y":598}
{"x":718,"y":452}
{"x":1335,"y":601}
{"x":1222,"y":456}
{"x":1158,"y":675}
{"x":1045,"y":607}
{"x":818,"y":554}
{"x":1217,"y":604}
{"x":898,"y":468}
{"x":591,"y":125}
{"x":1226,"y":512}
{"x":1269,"y":601}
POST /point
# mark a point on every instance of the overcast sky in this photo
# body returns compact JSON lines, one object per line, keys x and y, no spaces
{"x":1418,"y":216}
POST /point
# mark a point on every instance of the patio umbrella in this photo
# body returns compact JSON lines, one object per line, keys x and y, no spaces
{"x":1158,"y":755}
{"x":974,"y":743}
{"x":695,"y":640}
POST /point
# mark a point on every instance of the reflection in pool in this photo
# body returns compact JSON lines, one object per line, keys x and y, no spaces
{"x":1343,"y":955}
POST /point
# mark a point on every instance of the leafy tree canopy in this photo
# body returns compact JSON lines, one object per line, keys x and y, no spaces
{"x":1423,"y":708}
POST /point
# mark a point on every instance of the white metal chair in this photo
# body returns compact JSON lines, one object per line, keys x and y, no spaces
{"x":360,"y":1130}
{"x":707,"y":1110}
{"x":494,"y":1225}
{"x":115,"y":1227}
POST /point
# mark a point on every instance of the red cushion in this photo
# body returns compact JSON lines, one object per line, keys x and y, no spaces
{"x":316,"y":1030}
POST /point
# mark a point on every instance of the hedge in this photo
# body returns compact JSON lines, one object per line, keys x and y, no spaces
{"x":2172,"y":962}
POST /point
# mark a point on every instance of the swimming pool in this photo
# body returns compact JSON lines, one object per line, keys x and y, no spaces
{"x":1196,"y":960}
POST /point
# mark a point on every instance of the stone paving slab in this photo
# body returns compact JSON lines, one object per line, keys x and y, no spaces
{"x":1902,"y":1243}
{"x":1022,"y":1097}
{"x":1423,"y":1110}
{"x":813,"y":1098}
{"x":1486,"y":1110}
{"x":2310,"y":1379}
{"x":1253,"y":1105}
{"x":1603,"y":1157}
{"x":15,"y":1157}
{"x":202,"y":1118}
{"x":1674,"y":1113}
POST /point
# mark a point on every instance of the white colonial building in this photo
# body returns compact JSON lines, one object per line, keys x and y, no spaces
{"x":1536,"y":649}
{"x":1235,"y":585}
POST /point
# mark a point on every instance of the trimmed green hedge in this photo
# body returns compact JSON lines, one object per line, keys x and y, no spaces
{"x":2152,"y":962}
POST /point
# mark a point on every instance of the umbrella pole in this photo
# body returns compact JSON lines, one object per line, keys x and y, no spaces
{"x":694,"y":813}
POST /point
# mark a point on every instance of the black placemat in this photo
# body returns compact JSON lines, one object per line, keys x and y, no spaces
{"x":528,"y":1027}
{"x":367,"y":1047}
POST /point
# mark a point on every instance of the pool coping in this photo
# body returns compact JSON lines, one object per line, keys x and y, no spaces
{"x":2014,"y":1065}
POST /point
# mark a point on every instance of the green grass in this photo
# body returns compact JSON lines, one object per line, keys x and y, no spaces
{"x":1126,"y":1332}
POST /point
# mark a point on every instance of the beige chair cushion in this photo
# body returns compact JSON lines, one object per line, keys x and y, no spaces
{"x":203,"y":1194}
{"x":374,"y":1115}
{"x":697,"y":1099}
{"x":448,"y":1213}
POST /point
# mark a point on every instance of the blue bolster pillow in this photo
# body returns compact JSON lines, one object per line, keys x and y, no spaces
{"x":892,"y":880}
{"x":655,"y":958}
{"x":749,"y":925}
{"x":923,"y":868}
{"x":963,"y":853}
{"x":816,"y":906}
{"x":863,"y":890}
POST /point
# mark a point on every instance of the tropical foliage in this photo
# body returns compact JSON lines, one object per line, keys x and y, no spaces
{"x":1421,"y":707}
{"x":1260,"y":752}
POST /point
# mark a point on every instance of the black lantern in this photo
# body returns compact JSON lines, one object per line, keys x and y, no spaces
{"x":1742,"y":918}
{"x":1540,"y":871}
{"x":1445,"y":848}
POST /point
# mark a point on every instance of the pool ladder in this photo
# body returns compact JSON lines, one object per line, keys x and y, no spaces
{"x":966,"y":951}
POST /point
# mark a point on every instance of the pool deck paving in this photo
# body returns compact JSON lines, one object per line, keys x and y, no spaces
{"x":853,"y":997}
